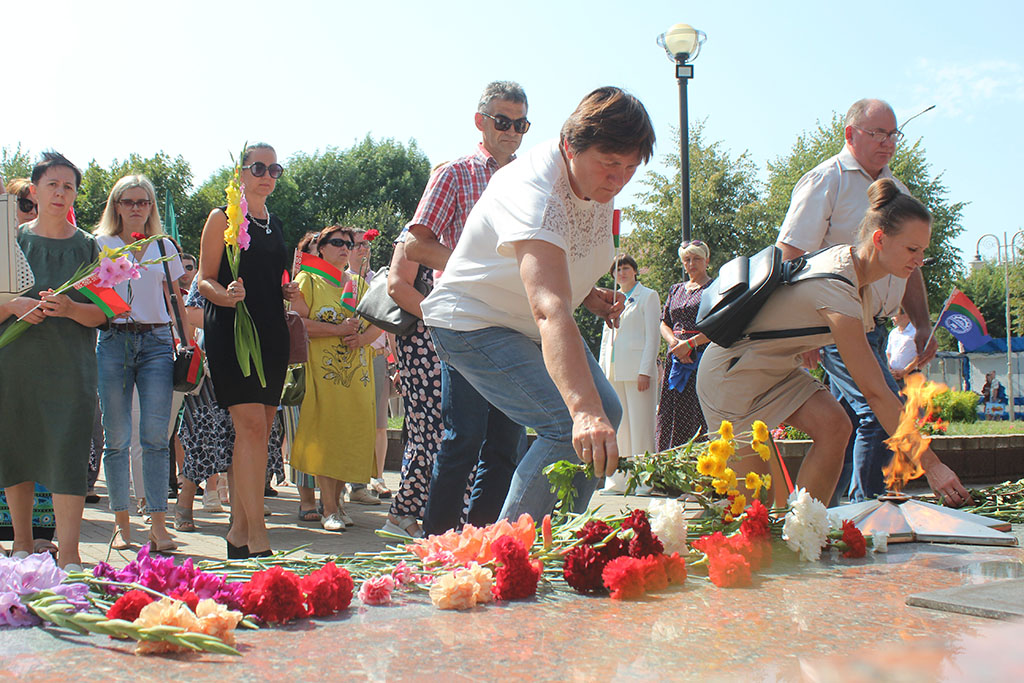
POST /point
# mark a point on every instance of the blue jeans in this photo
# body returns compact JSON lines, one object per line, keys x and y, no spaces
{"x":475,"y":433}
{"x":866,"y":454}
{"x":127,"y":360}
{"x":507,"y":368}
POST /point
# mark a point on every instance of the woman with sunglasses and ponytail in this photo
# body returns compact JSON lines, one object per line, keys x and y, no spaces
{"x":679,"y":414}
{"x":252,"y":406}
{"x":28,"y":210}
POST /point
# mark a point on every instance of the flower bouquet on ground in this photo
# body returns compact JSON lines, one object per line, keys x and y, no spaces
{"x":96,"y":281}
{"x":236,"y":240}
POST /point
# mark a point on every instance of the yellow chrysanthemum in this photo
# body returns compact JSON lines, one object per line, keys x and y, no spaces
{"x":760,"y":430}
{"x":753,"y":482}
{"x":738,"y":503}
{"x":721,"y":486}
{"x":725,"y":430}
{"x":762,"y":450}
{"x":707,"y":465}
{"x":722,"y":449}
{"x":767,"y":481}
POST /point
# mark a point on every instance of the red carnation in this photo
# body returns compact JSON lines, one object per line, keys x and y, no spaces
{"x":726,"y":568}
{"x":328,"y":590}
{"x":624,"y":577}
{"x":129,"y":605}
{"x":138,"y":236}
{"x":583,"y":568}
{"x":371,"y":234}
{"x":655,"y":576}
{"x":755,"y":524}
{"x":274,"y":596}
{"x":594,"y":531}
{"x":856,"y":546}
{"x":187,"y":597}
{"x":644,"y":543}
{"x":516,"y":576}
{"x":675,"y":568}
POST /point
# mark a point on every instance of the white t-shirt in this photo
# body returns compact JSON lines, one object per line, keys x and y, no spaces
{"x":901,"y":349}
{"x":530,"y":199}
{"x":146,"y":295}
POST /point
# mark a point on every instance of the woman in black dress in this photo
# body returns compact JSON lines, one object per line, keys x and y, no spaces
{"x":679,"y":413}
{"x":252,"y":407}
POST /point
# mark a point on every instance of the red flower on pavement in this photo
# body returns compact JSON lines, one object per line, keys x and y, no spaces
{"x":327,"y":590}
{"x":655,"y":576}
{"x":594,"y":531}
{"x":644,"y":543}
{"x":274,"y":595}
{"x":675,"y":568}
{"x":187,"y":597}
{"x":583,"y":568}
{"x":624,"y":577}
{"x":755,"y":524}
{"x":129,"y":605}
{"x":856,"y":546}
{"x":516,"y":576}
{"x":728,"y":569}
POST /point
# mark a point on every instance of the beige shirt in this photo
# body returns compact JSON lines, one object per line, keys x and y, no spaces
{"x":826,"y":209}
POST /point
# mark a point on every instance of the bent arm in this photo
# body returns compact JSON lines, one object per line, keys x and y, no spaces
{"x":401,"y":275}
{"x":915,"y":303}
{"x":789,"y":251}
{"x":422,"y":246}
{"x":545,"y":273}
{"x":211,"y":250}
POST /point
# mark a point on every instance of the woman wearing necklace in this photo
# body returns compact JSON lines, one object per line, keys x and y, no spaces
{"x":137,"y":353}
{"x":679,"y":413}
{"x":252,"y":406}
{"x":629,"y":360}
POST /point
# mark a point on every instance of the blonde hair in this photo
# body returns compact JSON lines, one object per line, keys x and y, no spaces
{"x":110,"y":221}
{"x":697,"y":248}
{"x":19,"y":186}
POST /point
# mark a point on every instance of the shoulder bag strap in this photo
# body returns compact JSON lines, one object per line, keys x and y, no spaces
{"x":174,"y":296}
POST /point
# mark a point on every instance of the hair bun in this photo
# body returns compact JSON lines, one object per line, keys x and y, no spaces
{"x":881,"y":192}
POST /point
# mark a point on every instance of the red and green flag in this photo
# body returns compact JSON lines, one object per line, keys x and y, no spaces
{"x":616,"y":217}
{"x":105,"y":297}
{"x":348,"y":296}
{"x":308,"y":263}
{"x":964,"y":321}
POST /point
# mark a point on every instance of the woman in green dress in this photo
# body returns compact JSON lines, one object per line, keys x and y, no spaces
{"x":48,"y":375}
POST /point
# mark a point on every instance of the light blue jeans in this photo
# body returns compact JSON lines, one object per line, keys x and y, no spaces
{"x":507,"y":368}
{"x":127,"y":360}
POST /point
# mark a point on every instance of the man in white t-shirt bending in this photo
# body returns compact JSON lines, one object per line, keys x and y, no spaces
{"x":532,"y":250}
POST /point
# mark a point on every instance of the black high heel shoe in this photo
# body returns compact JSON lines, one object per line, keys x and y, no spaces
{"x":237,"y":552}
{"x":263,"y":553}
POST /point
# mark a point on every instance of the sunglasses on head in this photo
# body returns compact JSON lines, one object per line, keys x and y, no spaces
{"x":258,"y":168}
{"x":503,"y":123}
{"x":696,"y":243}
{"x":338,"y":242}
{"x":26,"y":205}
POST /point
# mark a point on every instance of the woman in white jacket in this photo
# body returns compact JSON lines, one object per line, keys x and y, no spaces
{"x":628,"y":359}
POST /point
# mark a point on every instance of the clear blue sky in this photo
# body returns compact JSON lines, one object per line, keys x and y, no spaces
{"x":104,"y":79}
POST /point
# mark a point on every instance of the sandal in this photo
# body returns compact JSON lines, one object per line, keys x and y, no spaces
{"x":121,"y":540}
{"x":308,"y":515}
{"x":183,"y":520}
{"x":42,"y":545}
{"x":406,"y":526}
{"x":167,"y":545}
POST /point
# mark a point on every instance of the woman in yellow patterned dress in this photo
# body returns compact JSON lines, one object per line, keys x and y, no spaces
{"x":335,"y":437}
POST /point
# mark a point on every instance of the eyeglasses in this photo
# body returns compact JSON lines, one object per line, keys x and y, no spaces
{"x":503,"y":123}
{"x":338,"y":242}
{"x":696,"y":243}
{"x":258,"y":168}
{"x":134,"y":203}
{"x":361,"y":245}
{"x":881,"y":136}
{"x":189,"y":268}
{"x":26,"y":205}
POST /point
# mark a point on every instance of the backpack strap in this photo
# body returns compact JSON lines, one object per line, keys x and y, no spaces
{"x":799,"y":331}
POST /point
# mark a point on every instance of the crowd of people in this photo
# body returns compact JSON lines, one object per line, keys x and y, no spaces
{"x":501,"y":251}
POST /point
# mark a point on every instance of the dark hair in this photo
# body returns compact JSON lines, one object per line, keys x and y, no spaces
{"x":331,"y":229}
{"x":249,"y":149}
{"x":611,"y":120}
{"x":51,"y":159}
{"x":307,"y":241}
{"x":185,"y":255}
{"x":889,"y":209}
{"x":623,"y":260}
{"x":501,"y":90}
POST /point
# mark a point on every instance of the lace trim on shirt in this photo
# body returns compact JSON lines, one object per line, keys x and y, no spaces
{"x":584,"y":227}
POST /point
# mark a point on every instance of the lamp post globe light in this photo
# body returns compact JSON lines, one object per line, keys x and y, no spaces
{"x":1006,"y":251}
{"x":682,"y":45}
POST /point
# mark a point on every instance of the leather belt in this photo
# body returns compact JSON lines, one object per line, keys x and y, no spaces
{"x":137,"y":328}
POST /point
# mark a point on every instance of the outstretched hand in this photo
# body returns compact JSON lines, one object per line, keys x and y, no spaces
{"x":606,"y":304}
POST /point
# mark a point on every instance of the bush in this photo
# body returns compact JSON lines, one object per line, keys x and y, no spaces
{"x":956,"y":406}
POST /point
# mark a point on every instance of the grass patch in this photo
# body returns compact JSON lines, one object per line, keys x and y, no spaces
{"x":985,"y":427}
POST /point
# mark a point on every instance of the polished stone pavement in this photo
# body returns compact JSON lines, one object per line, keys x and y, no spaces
{"x":833,"y":620}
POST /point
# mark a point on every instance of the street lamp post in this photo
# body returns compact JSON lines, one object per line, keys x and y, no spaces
{"x":682,"y":44}
{"x":1006,"y":251}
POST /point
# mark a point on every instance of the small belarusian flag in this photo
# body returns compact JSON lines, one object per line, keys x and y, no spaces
{"x":105,"y":297}
{"x":348,"y":296}
{"x":317,"y":266}
{"x":616,"y":215}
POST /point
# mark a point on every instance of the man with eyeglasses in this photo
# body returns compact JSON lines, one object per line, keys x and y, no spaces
{"x":476,"y":433}
{"x":827,"y":206}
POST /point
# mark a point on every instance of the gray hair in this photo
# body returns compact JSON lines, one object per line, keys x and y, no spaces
{"x":858,"y":110}
{"x":501,"y":90}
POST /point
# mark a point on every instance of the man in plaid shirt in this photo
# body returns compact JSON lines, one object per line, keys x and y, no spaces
{"x":476,"y":433}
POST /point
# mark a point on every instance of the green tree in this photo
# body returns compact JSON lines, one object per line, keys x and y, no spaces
{"x":909,"y":164}
{"x":16,"y":163}
{"x":725,"y":208}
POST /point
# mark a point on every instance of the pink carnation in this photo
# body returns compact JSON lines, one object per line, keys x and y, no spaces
{"x":403,"y":574}
{"x":377,"y":591}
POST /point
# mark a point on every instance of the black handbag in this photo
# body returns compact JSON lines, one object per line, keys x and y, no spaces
{"x":380,"y":310}
{"x":188,"y":360}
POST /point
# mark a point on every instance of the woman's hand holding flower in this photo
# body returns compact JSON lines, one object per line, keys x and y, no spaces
{"x":22,"y":305}
{"x":234,"y":292}
{"x":55,"y":305}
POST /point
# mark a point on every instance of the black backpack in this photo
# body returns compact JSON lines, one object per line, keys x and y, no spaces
{"x":743,"y":285}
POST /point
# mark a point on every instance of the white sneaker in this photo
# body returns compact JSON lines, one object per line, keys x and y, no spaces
{"x":211,"y":501}
{"x":344,"y":517}
{"x":363,"y":496}
{"x":333,"y":522}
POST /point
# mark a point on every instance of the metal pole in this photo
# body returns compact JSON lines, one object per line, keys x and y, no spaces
{"x":1009,"y":333}
{"x":684,"y":152}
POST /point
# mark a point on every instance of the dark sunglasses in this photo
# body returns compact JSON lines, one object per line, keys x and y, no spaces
{"x":696,"y":243}
{"x":503,"y":123}
{"x":338,"y":242}
{"x":26,"y":205}
{"x":187,"y":268}
{"x":258,"y":168}
{"x":133,"y":203}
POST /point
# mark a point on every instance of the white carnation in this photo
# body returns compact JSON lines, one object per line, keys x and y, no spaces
{"x":807,"y":525}
{"x":880,"y":541}
{"x":668,"y":524}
